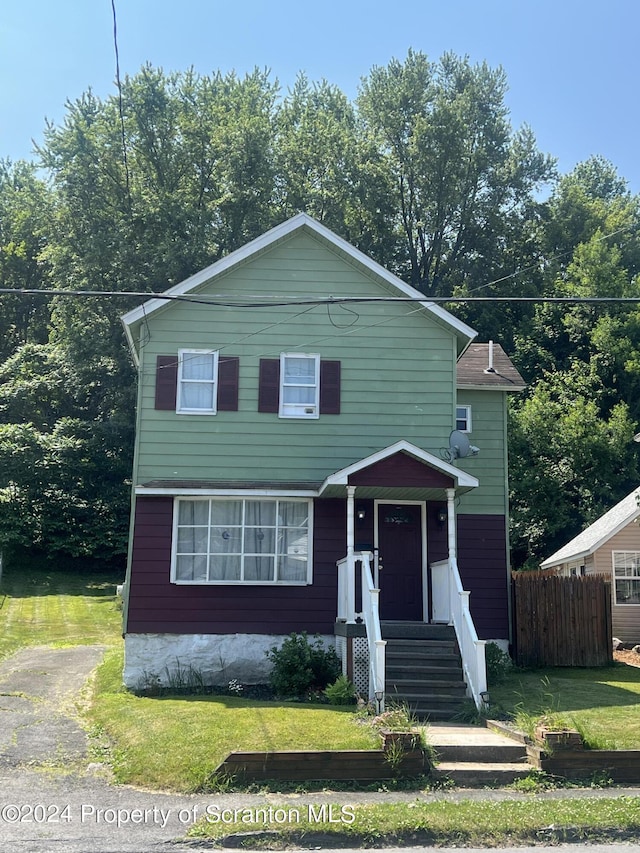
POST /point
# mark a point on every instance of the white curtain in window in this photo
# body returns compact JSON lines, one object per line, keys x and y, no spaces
{"x":226,"y":540}
{"x":198,"y":381}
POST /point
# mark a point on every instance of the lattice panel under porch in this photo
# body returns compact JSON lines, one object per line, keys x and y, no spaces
{"x":361,"y":666}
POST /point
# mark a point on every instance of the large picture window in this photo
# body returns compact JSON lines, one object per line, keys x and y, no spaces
{"x":254,"y":541}
{"x":626,"y":577}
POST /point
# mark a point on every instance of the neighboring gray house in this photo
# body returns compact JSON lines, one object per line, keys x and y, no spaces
{"x":610,"y":546}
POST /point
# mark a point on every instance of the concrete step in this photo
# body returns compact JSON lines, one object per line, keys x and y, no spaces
{"x":477,"y":755}
{"x":481,"y":774}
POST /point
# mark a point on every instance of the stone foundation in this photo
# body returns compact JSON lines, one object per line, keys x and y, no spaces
{"x":215,"y":659}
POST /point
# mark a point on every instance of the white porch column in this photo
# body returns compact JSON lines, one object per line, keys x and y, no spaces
{"x":451,"y":523}
{"x":351,"y":514}
{"x":351,"y":566}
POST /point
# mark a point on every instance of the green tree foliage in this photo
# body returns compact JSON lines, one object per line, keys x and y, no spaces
{"x":459,"y":174}
{"x":571,"y":452}
{"x":25,"y":211}
{"x":571,"y":459}
{"x":422,"y":171}
{"x":62,"y":469}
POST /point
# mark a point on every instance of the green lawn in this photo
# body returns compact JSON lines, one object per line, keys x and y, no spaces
{"x":176,"y":742}
{"x":440,"y":823}
{"x":58,"y":608}
{"x":165,"y":742}
{"x":602,"y":703}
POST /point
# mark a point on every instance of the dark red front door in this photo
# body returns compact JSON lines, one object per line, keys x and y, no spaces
{"x":400,"y":548}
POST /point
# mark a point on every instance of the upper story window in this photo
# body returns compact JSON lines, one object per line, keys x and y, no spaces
{"x":241,"y":540}
{"x":197,"y":381}
{"x":463,"y":418}
{"x":626,"y":577}
{"x":299,"y":385}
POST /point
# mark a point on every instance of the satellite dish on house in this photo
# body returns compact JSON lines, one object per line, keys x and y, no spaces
{"x":460,"y":446}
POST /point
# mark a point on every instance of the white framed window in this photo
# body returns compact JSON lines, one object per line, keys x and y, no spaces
{"x":241,"y":541}
{"x":197,"y":381}
{"x":463,"y":418}
{"x":299,"y":385}
{"x":626,"y":577}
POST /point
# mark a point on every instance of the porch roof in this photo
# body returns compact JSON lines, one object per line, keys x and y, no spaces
{"x":400,"y":471}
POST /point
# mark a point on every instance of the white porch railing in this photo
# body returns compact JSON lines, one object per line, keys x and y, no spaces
{"x":454,"y":608}
{"x":369,"y":615}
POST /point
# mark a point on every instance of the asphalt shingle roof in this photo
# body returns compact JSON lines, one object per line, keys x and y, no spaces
{"x":597,"y":533}
{"x":473,"y":372}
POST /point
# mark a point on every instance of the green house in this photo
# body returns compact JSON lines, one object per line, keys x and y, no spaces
{"x":319,"y":448}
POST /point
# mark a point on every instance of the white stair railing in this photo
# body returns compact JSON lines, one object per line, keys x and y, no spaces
{"x":455,"y":599}
{"x":377,"y":646}
{"x":370,"y":615}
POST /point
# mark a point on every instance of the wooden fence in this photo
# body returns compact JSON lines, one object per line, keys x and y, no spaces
{"x":562,"y":621}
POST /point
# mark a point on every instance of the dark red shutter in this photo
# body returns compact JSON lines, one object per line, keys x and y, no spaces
{"x":228,"y":372}
{"x":166,"y":382}
{"x":269,"y":385}
{"x":329,"y":387}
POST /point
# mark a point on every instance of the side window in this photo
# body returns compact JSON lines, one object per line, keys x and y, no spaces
{"x":463,"y":418}
{"x":299,"y":386}
{"x":197,"y":381}
{"x":626,"y":577}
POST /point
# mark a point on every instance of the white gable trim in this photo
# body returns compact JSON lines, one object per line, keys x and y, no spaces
{"x":278,"y":233}
{"x":341,"y":477}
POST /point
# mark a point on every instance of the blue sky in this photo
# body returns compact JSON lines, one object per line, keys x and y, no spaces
{"x":572,"y":65}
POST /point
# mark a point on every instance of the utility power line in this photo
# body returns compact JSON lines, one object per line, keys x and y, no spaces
{"x":260,"y":301}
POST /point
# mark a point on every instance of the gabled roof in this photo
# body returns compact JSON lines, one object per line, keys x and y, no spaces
{"x":300,"y":222}
{"x":597,"y":534}
{"x":474,"y":369}
{"x":461,"y":479}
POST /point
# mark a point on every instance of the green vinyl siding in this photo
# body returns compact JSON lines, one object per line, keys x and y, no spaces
{"x":488,"y":417}
{"x":397,"y":373}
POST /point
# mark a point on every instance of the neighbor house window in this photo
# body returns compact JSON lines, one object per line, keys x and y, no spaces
{"x":299,"y":386}
{"x":463,"y":418}
{"x":197,"y":381}
{"x":231,"y":541}
{"x":626,"y":577}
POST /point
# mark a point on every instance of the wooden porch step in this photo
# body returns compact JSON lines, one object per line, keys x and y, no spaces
{"x":421,"y":648}
{"x":417,"y":687}
{"x":424,"y":669}
{"x":395,"y":630}
{"x":408,"y":672}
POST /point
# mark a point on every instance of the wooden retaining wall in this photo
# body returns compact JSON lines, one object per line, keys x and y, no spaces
{"x":361,"y":765}
{"x":562,"y":621}
{"x":620,"y":765}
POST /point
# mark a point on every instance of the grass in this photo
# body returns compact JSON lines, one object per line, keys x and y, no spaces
{"x":57,"y":608}
{"x":176,"y":742}
{"x":602,"y":703}
{"x":442,"y":823}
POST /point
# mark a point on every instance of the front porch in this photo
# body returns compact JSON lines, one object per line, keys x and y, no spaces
{"x":394,"y":574}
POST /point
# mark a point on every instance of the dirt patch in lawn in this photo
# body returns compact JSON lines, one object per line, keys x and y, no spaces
{"x":628,"y":657}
